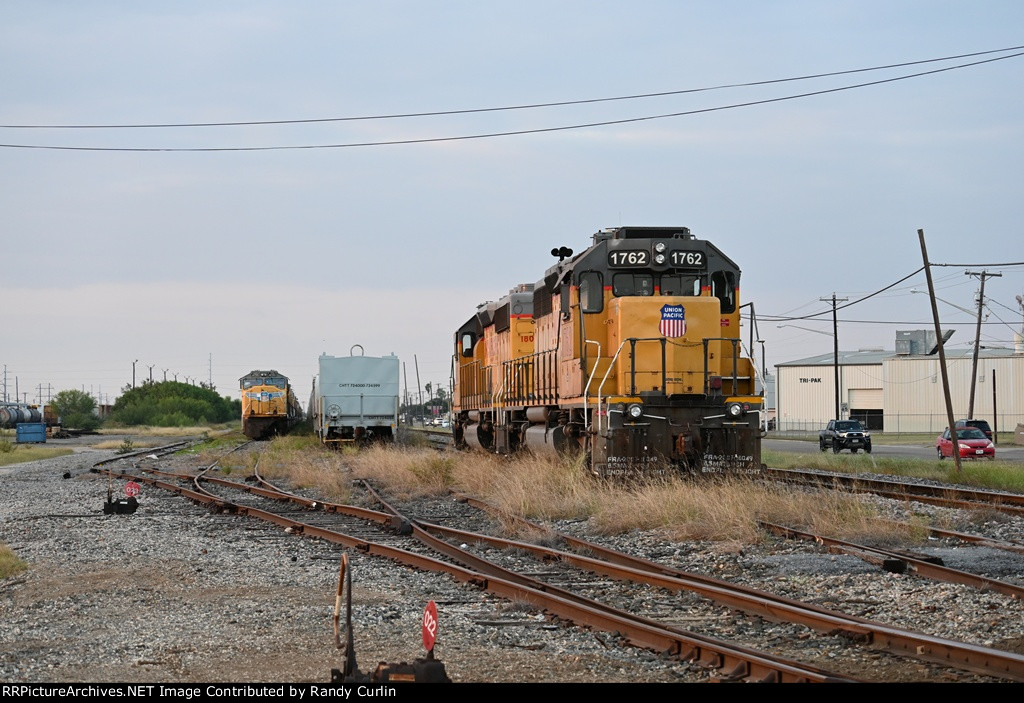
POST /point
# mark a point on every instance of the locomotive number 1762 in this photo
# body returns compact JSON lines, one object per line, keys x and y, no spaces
{"x":638,"y":258}
{"x":632,"y":257}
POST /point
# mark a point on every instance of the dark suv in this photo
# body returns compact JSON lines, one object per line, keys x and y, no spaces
{"x":844,"y":434}
{"x":979,"y":424}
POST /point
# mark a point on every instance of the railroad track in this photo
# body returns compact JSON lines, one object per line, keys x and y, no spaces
{"x":497,"y":565}
{"x":944,"y":496}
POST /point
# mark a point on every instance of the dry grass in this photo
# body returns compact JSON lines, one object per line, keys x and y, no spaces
{"x":10,"y":564}
{"x":306,"y":464}
{"x":406,"y":472}
{"x":19,"y":453}
{"x":119,"y":443}
{"x":149,"y":431}
{"x":685,"y":508}
{"x":732,"y":509}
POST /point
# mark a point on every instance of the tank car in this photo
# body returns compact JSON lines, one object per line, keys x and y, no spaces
{"x":13,"y":414}
{"x":628,"y":352}
{"x":269,"y":405}
{"x":355,"y":398}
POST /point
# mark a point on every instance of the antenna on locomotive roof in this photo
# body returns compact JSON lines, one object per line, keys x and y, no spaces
{"x":562,"y":253}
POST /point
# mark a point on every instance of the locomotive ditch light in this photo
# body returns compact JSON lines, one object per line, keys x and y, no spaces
{"x":636,"y":410}
{"x":736,"y":409}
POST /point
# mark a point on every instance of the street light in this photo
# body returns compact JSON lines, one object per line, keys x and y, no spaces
{"x":133,"y":372}
{"x":972,"y":313}
{"x":806,"y":329}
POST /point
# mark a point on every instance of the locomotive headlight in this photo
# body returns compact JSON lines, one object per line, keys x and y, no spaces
{"x":659,"y":247}
{"x":635,"y":411}
{"x":735,"y":409}
{"x":659,"y":258}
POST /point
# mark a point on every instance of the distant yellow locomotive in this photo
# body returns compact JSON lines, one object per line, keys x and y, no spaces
{"x":628,"y":352}
{"x":269,"y":406}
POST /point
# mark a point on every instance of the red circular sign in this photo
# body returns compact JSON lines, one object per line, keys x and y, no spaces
{"x":429,"y":625}
{"x":131,"y":489}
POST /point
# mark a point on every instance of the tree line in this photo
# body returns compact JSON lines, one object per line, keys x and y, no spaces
{"x":157,"y":404}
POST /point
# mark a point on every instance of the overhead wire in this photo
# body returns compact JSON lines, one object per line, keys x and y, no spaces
{"x":529,"y":106}
{"x":509,"y":133}
{"x":813,"y":316}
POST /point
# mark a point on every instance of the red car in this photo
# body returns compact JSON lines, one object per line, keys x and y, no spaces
{"x":973,"y":444}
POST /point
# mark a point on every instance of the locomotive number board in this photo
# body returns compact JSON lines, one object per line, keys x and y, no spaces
{"x":640,"y":258}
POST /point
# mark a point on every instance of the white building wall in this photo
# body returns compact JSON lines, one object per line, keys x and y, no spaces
{"x":914,"y":399}
{"x":805,"y":395}
{"x":911,"y":392}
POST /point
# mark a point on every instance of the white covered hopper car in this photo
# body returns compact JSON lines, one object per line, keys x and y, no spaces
{"x":355,"y":398}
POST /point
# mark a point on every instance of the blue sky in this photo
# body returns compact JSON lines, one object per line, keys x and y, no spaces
{"x":210,"y":263}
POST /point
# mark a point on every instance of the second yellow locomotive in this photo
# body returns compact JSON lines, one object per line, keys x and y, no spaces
{"x":269,"y":405}
{"x":629,"y":352}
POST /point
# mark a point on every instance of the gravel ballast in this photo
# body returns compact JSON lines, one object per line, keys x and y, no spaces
{"x":175,"y":593}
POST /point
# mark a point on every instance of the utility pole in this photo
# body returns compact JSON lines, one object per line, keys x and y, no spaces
{"x":419,"y":388}
{"x":151,"y":372}
{"x":977,"y":336}
{"x":942,"y":355}
{"x":835,"y":345}
{"x":133,"y":372}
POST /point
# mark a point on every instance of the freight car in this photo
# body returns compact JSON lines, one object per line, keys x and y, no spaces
{"x":13,"y":414}
{"x":629,"y":353}
{"x":269,"y":405}
{"x":355,"y":398}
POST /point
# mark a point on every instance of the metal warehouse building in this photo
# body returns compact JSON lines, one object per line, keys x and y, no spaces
{"x":901,"y":391}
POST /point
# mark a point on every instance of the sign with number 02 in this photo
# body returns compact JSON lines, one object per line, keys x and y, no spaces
{"x":429,"y":625}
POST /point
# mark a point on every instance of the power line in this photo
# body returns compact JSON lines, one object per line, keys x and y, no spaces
{"x":531,"y":106}
{"x":812,"y":317}
{"x":510,"y":133}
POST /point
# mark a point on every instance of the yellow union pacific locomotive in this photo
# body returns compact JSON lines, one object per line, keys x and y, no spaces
{"x":269,"y":406}
{"x":629,"y":352}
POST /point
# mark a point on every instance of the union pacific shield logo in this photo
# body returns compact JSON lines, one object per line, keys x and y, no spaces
{"x":673,"y":321}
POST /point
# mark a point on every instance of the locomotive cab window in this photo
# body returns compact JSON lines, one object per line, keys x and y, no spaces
{"x":591,"y":292}
{"x":466,"y":344}
{"x":723,"y":287}
{"x":632,"y":284}
{"x":680,"y":285}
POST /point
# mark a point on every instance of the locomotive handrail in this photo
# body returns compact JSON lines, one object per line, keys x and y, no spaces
{"x":735,"y":361}
{"x":593,"y":372}
{"x":527,"y":368}
{"x":473,"y":371}
{"x":494,"y":399}
{"x":632,"y":362}
{"x":611,"y":366}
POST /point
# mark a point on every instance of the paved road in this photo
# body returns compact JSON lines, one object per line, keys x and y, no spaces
{"x":1004,"y":452}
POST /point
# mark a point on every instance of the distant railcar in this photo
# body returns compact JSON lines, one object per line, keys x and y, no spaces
{"x":355,"y":398}
{"x":629,"y":353}
{"x":13,"y":414}
{"x":269,"y":405}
